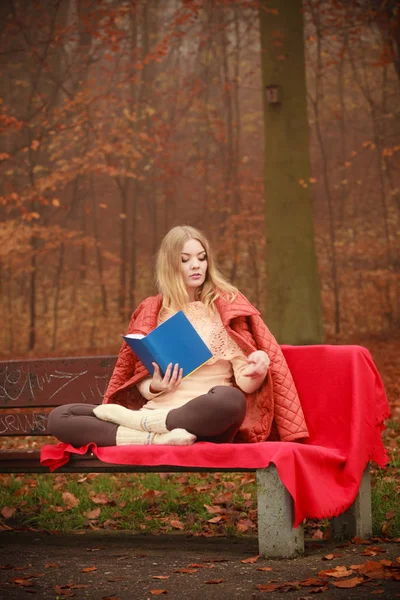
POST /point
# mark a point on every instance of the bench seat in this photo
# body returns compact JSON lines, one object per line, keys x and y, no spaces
{"x":326,"y":476}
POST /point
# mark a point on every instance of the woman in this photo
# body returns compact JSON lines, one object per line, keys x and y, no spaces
{"x":231,"y":392}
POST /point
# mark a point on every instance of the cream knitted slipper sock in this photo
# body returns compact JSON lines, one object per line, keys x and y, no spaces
{"x":149,"y":420}
{"x":177,"y":437}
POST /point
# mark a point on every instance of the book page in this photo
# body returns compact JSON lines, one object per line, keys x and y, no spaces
{"x":135,"y":336}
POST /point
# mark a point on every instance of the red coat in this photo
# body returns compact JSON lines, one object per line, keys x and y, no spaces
{"x":276,"y":400}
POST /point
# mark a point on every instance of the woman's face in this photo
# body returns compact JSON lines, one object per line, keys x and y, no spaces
{"x":194,"y":266}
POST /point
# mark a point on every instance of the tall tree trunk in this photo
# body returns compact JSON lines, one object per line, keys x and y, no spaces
{"x":32,"y":295}
{"x":342,"y":125}
{"x":293,"y":291}
{"x":325,"y":171}
{"x":57,"y":285}
{"x":99,"y":258}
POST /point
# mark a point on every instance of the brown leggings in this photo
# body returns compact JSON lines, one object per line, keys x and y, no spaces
{"x":212,"y":417}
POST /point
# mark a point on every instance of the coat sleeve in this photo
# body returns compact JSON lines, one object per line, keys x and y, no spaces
{"x":288,"y":412}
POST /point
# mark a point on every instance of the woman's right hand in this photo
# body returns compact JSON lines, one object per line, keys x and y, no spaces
{"x":168,"y":383}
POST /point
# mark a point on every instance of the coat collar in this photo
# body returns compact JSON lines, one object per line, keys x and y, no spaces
{"x":239,"y":307}
{"x":228,"y":310}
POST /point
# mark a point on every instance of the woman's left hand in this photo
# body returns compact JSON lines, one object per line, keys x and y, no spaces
{"x":258,"y":363}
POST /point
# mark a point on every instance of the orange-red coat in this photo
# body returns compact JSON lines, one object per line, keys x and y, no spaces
{"x":276,"y":401}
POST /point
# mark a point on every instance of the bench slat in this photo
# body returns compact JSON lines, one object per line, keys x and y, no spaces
{"x":54,"y":381}
{"x":23,"y":423}
{"x":28,"y":461}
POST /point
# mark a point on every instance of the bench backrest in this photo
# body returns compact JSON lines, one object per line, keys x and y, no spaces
{"x":27,"y":385}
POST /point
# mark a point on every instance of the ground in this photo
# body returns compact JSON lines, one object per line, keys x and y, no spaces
{"x":123,"y":566}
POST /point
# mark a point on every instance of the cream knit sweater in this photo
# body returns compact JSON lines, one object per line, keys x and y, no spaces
{"x":228,"y":361}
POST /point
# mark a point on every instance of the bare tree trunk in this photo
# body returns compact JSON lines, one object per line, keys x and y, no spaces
{"x":325,"y":160}
{"x":374,"y":112}
{"x":32,"y":296}
{"x":99,"y":258}
{"x":342,"y":124}
{"x":123,"y":252}
{"x":236,"y":192}
{"x":10,"y":305}
{"x":57,"y":285}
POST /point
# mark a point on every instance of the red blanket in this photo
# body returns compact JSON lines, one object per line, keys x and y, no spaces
{"x":345,"y":406}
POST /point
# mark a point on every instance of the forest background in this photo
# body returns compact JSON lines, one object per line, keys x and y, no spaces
{"x":119,"y":120}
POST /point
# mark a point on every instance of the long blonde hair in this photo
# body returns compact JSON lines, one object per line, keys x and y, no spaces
{"x":169,"y":271}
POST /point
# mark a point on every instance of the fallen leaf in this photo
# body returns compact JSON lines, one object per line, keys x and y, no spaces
{"x":7,"y":512}
{"x":158,"y":592}
{"x":390,"y":515}
{"x":214,"y":509}
{"x":22,"y":582}
{"x":380,"y":591}
{"x":389,"y":563}
{"x":149,"y":494}
{"x":88,"y":569}
{"x":100,"y":499}
{"x":358,"y":540}
{"x":331,"y":556}
{"x":311,"y":581}
{"x":51,"y":566}
{"x":252,"y":559}
{"x":318,"y":535}
{"x":160,"y":576}
{"x":176,"y":524}
{"x":371,"y":569}
{"x":78,"y":586}
{"x":200,"y":566}
{"x":268,"y":587}
{"x":348,"y":583}
{"x":93,"y":514}
{"x":70,"y":500}
{"x":215,"y":519}
{"x":214,"y":581}
{"x":264,"y":568}
{"x":184,"y":570}
{"x":340,"y":571}
{"x":61,"y":591}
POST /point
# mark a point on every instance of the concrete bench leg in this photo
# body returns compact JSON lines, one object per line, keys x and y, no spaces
{"x":276,"y":536}
{"x":357,"y":520}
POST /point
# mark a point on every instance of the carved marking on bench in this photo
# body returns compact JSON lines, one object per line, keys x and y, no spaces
{"x":22,"y":423}
{"x":14,"y":383}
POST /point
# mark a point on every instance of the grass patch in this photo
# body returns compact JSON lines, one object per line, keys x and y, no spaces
{"x":197,"y":504}
{"x":142,"y":502}
{"x":386,"y":493}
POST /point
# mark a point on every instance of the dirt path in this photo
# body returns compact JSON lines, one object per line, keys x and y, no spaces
{"x":123,"y":566}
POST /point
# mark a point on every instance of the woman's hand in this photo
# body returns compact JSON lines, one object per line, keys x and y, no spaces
{"x":168,"y":383}
{"x":258,"y":363}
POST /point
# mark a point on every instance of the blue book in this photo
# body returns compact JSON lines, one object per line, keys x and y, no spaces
{"x":174,"y":341}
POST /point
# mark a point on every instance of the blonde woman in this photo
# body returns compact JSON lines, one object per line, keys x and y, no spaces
{"x":229,"y":398}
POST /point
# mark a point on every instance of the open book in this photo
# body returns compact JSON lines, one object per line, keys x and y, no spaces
{"x":174,"y":341}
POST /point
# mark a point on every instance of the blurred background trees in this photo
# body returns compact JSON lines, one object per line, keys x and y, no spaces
{"x":120,"y":119}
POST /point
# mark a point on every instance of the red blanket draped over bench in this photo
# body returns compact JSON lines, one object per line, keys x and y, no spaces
{"x":345,"y":406}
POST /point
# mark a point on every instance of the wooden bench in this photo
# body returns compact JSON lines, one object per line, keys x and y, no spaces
{"x":29,"y":388}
